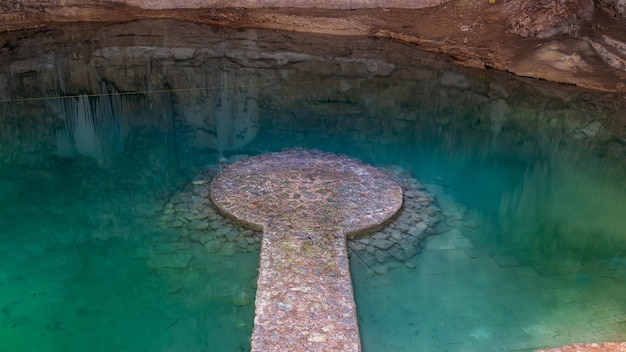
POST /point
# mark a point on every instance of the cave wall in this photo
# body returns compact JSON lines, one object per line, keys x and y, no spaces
{"x":171,"y":4}
{"x":178,"y":77}
{"x":160,"y":96}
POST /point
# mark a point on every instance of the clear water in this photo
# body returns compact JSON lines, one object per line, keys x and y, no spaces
{"x":73,"y":278}
{"x":531,"y":252}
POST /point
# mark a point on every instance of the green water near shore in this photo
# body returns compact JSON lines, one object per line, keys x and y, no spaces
{"x":537,"y":260}
{"x":545,"y":265}
{"x":74,"y":276}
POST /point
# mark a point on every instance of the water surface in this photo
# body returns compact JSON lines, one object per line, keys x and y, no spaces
{"x":103,"y":126}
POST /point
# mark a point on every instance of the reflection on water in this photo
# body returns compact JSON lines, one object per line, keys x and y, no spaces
{"x":91,"y":126}
{"x":103,"y":129}
{"x":580,"y":212}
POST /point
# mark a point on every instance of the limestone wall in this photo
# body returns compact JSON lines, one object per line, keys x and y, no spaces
{"x":116,"y":89}
{"x":331,"y":4}
{"x":170,"y":4}
{"x":368,"y":90}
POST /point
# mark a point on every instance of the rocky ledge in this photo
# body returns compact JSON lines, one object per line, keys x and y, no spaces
{"x":578,"y":42}
{"x":590,"y":347}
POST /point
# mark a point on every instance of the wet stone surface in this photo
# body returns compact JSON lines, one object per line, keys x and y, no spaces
{"x":307,"y":191}
{"x":589,"y":347}
{"x":195,"y":225}
{"x":306,"y":202}
{"x":190,"y":225}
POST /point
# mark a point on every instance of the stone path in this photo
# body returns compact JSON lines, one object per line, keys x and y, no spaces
{"x":199,"y":228}
{"x":597,"y":347}
{"x":306,"y":202}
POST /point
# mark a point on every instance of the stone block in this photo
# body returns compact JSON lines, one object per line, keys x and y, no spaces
{"x":213,"y":246}
{"x":169,"y":261}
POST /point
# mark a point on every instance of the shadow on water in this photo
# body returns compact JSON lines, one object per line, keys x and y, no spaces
{"x":103,"y":242}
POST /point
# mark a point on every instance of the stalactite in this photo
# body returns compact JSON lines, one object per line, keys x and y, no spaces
{"x":235,"y":113}
{"x":93,"y":126}
{"x":169,"y":125}
{"x":86,"y":139}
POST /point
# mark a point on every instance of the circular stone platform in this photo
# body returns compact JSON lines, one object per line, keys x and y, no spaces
{"x":306,"y":202}
{"x":307,"y":191}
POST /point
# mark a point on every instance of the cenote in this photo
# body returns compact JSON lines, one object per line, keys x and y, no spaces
{"x":109,"y":130}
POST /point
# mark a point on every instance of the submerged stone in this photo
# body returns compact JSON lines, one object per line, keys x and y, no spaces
{"x":381,"y":269}
{"x":222,"y":231}
{"x":213,"y":246}
{"x":241,"y":298}
{"x":206,"y":238}
{"x":228,"y":250}
{"x":169,"y":261}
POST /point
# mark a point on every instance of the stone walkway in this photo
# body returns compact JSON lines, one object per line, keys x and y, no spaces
{"x":590,"y":347}
{"x":306,"y":202}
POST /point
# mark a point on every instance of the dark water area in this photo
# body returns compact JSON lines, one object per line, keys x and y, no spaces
{"x":105,"y":129}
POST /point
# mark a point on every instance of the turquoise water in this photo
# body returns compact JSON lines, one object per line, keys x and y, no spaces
{"x":541,"y":271}
{"x":74,"y":276}
{"x":530,"y":252}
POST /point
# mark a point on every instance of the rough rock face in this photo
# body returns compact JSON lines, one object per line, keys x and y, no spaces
{"x":380,"y":94}
{"x":473,"y":33}
{"x":620,"y":7}
{"x":331,"y":4}
{"x":11,"y":11}
{"x":179,"y":4}
{"x":10,"y":6}
{"x":548,"y":18}
{"x":615,"y":7}
{"x":611,"y":50}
